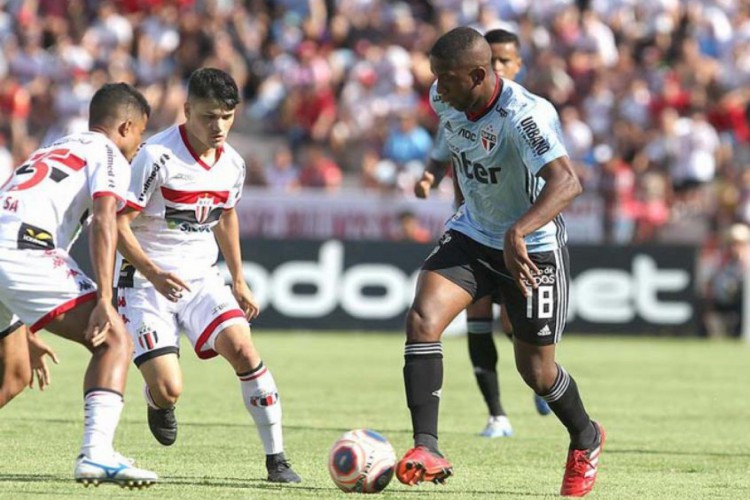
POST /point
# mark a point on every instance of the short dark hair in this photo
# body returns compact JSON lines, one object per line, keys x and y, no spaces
{"x":457,"y":41}
{"x":214,"y":84}
{"x":502,"y":36}
{"x":112,"y":99}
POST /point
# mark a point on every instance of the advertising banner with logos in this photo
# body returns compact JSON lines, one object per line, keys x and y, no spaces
{"x":356,"y":215}
{"x":361,"y":285}
{"x":335,"y":285}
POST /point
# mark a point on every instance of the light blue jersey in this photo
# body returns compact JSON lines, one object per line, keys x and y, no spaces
{"x":496,"y":158}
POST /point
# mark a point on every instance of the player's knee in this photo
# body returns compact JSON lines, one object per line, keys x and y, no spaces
{"x":120,"y":341}
{"x":533,"y":375}
{"x":420,"y":327}
{"x":169,"y":391}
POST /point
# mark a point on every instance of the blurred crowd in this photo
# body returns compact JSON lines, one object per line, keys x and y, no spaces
{"x":653,"y":95}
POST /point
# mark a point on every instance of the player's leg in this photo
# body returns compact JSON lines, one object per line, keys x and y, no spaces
{"x":539,"y":403}
{"x":538,"y":322}
{"x":215,"y":324}
{"x":15,"y":368}
{"x":260,"y":396}
{"x":437,"y":302}
{"x":483,"y":356}
{"x":163,"y":386}
{"x":104,"y":385}
{"x":152,"y":325}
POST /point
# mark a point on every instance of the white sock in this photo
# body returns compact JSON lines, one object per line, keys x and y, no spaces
{"x":149,"y":399}
{"x":262,"y":402}
{"x":101,"y":411}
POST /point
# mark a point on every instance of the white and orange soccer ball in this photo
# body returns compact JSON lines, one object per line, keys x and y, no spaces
{"x":362,"y":461}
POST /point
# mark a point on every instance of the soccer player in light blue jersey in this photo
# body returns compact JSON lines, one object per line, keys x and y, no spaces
{"x":506,"y":62}
{"x":508,"y":237}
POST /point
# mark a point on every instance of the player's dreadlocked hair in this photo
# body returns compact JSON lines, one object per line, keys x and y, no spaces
{"x":502,"y":36}
{"x":115,"y":98}
{"x":456,"y":42}
{"x":214,"y":84}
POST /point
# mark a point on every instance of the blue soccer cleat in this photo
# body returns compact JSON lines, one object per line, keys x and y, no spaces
{"x":541,"y":405}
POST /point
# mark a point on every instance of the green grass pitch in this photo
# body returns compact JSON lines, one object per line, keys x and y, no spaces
{"x":677,"y":415}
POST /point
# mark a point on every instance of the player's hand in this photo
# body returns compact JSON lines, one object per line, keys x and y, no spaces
{"x":37,"y":351}
{"x":168,"y":284}
{"x":518,"y":262}
{"x":101,"y":320}
{"x":424,"y":185}
{"x":246,"y":300}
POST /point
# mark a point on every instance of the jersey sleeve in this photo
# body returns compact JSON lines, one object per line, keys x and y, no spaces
{"x":109,"y":174}
{"x":538,"y":136}
{"x":236,"y":192}
{"x":146,"y":177}
{"x":439,"y":151}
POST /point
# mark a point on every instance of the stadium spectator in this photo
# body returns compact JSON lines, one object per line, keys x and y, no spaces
{"x":410,"y":229}
{"x":319,"y":170}
{"x":338,"y":73}
{"x":724,"y":270}
{"x":282,"y":174}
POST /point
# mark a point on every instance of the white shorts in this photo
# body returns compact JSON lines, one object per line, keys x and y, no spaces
{"x":9,"y":322}
{"x":155,"y":323}
{"x":39,"y":285}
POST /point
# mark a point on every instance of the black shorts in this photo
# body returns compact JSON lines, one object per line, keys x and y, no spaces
{"x":481,"y":271}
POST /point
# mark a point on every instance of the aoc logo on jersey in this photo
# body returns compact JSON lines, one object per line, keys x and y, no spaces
{"x":489,"y":138}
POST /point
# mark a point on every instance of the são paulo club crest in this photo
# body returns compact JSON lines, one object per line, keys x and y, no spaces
{"x":203,"y":207}
{"x":489,"y":138}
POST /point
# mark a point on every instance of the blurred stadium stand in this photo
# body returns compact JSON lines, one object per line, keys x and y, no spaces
{"x":653,"y":98}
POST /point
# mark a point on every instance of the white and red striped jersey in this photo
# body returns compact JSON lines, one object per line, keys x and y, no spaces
{"x":49,"y":198}
{"x":180,"y":198}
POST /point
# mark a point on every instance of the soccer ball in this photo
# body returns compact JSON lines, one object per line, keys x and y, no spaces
{"x":362,"y":461}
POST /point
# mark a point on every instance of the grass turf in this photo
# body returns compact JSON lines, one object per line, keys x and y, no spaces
{"x":675,"y":411}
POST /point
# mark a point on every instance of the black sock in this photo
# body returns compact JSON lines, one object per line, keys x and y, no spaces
{"x":565,"y":401}
{"x":483,"y":356}
{"x":423,"y":379}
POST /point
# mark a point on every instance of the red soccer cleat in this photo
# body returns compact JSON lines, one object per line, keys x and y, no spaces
{"x":581,"y":468}
{"x":420,"y":464}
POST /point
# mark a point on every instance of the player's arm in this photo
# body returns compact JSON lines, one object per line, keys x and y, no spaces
{"x":102,"y":246}
{"x":431,"y":177}
{"x":227,"y":233}
{"x":561,"y":187}
{"x":167,"y":284}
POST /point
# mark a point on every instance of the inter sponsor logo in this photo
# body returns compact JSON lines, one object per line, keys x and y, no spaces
{"x":533,"y":136}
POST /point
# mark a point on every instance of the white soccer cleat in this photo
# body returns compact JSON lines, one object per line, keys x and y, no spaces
{"x":497,"y":427}
{"x":114,"y":470}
